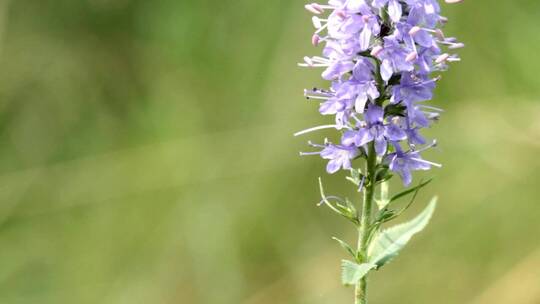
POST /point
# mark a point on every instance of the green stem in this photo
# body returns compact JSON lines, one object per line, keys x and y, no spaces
{"x":360,"y":291}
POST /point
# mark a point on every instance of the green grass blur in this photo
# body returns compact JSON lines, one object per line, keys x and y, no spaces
{"x":147,"y":157}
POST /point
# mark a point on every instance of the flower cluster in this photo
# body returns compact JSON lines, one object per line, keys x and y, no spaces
{"x":380,"y":56}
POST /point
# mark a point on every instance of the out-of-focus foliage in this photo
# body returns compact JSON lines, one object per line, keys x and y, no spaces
{"x":146,"y":157}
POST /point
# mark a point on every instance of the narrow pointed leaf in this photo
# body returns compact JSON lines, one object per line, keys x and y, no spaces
{"x":409,"y":191}
{"x":351,"y":207}
{"x":346,"y":246}
{"x":352,"y":272}
{"x":388,"y":243}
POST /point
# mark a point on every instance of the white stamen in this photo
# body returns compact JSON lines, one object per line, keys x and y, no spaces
{"x":315,"y":65}
{"x":318,"y":92}
{"x":341,"y":14}
{"x":456,"y":46}
{"x":411,"y":57}
{"x":451,"y":44}
{"x":322,"y":28}
{"x":427,"y":162}
{"x":309,"y":153}
{"x":433,"y":144}
{"x":316,"y":129}
{"x":357,"y":119}
{"x":314,"y":8}
{"x":439,"y":33}
{"x":415,"y":51}
{"x":442,"y":58}
{"x":315,"y":145}
{"x":321,"y":59}
{"x":431,"y":108}
{"x":414,"y":30}
{"x":317,"y":97}
{"x":316,"y":22}
{"x":376,"y":50}
{"x":326,"y":6}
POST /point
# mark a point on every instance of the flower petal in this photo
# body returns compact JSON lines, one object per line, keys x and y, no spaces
{"x":380,"y":145}
{"x":394,"y":10}
{"x":394,"y":133}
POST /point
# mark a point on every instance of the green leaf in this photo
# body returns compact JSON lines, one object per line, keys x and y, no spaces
{"x":325,"y":199}
{"x":383,"y":201}
{"x":384,"y":215}
{"x":345,"y":246}
{"x":395,"y":109}
{"x":356,"y":176}
{"x":352,"y":208}
{"x":409,"y":191}
{"x":352,"y":272}
{"x":388,"y":243}
{"x":383,"y":174}
{"x":345,"y":211}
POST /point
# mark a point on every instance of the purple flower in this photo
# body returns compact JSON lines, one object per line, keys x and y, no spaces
{"x":363,"y":84}
{"x":394,"y":8}
{"x":413,"y":135}
{"x":340,"y":157}
{"x":375,"y":130}
{"x":413,"y":88}
{"x":343,"y":25}
{"x":341,"y":49}
{"x":424,"y":12}
{"x":371,"y":27}
{"x":410,"y":33}
{"x":394,"y":58}
{"x":404,"y":163}
{"x":337,"y":69}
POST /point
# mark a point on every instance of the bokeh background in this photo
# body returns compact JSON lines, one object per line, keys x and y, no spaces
{"x":146,"y":156}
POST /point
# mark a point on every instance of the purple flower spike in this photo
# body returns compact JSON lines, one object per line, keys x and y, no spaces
{"x":380,"y":56}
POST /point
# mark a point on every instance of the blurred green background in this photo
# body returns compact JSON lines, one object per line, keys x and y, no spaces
{"x":147,"y":157}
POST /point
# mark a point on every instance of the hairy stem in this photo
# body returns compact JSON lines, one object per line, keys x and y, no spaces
{"x":360,"y":291}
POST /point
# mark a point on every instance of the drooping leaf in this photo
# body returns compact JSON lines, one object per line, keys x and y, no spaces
{"x":388,"y":243}
{"x":352,"y":272}
{"x":346,"y":246}
{"x":325,"y":199}
{"x":345,"y":211}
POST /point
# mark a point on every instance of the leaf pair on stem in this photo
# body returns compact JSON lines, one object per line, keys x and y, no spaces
{"x":384,"y":244}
